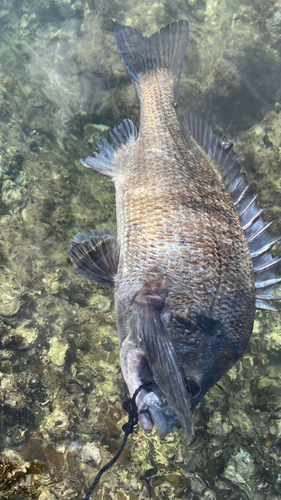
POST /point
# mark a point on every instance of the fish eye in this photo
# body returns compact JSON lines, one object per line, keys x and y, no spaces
{"x":184,"y":323}
{"x":192,"y":386}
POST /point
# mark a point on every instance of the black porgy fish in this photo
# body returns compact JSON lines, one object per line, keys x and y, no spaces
{"x":192,"y":259}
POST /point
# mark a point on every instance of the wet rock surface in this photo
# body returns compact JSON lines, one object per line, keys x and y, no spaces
{"x":62,"y":83}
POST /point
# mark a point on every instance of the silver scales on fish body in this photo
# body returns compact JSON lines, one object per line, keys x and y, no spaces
{"x":192,"y":259}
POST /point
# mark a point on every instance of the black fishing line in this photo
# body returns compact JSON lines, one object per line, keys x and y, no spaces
{"x":131,"y":408}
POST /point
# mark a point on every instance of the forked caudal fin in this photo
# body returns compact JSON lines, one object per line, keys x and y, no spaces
{"x":154,"y":340}
{"x":163,"y":50}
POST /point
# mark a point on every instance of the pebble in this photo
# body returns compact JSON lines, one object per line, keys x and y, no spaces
{"x":90,"y":453}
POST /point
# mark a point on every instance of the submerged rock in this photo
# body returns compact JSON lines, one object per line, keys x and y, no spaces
{"x":240,"y":471}
{"x":91,"y":454}
{"x":57,"y":351}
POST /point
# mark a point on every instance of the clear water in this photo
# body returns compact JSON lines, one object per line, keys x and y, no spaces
{"x":62,"y":83}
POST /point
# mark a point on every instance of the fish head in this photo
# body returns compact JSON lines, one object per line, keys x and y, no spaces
{"x":153,"y":410}
{"x":181,"y":351}
{"x":152,"y":405}
{"x":148,"y":359}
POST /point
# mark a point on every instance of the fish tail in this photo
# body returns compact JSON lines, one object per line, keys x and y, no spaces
{"x":154,"y":340}
{"x":163,"y":50}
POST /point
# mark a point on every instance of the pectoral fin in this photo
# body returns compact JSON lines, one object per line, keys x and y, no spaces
{"x":96,"y":257}
{"x":154,"y":340}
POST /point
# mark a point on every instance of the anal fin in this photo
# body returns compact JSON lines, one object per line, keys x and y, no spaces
{"x":105,"y":160}
{"x":96,"y":257}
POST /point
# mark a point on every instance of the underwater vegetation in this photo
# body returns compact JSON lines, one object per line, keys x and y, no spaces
{"x":17,"y":477}
{"x":62,"y":83}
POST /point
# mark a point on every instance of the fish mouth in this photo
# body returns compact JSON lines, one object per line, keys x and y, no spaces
{"x":153,"y":408}
{"x":154,"y":411}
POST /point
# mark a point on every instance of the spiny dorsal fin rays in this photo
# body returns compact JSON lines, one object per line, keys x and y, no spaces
{"x":260,"y":239}
{"x":262,"y":304}
{"x":105,"y":160}
{"x":267,"y":266}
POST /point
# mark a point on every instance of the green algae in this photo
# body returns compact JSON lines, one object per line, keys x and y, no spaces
{"x":93,"y":132}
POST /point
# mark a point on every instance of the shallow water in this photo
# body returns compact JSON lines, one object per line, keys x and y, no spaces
{"x":62,"y":83}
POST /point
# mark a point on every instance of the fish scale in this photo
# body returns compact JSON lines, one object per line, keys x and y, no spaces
{"x":169,"y":188}
{"x":193,"y":256}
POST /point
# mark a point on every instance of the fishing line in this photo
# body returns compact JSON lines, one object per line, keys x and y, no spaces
{"x":131,"y":408}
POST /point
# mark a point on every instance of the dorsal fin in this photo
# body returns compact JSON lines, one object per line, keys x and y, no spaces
{"x":260,"y":239}
{"x":105,"y":160}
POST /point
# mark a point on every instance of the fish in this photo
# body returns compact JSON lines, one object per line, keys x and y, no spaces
{"x":192,"y":260}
